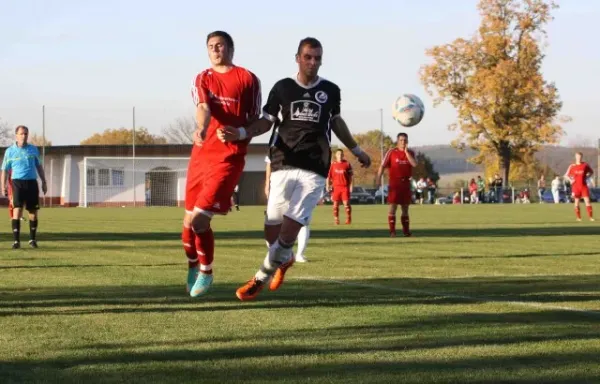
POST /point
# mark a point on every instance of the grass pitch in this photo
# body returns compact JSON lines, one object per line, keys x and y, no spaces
{"x":483,"y":293}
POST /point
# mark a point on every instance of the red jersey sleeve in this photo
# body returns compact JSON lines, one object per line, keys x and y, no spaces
{"x":200,"y":92}
{"x":253,"y":97}
{"x":588,"y":170}
{"x":330,"y":174}
{"x":387,"y":160}
{"x":350,"y":170}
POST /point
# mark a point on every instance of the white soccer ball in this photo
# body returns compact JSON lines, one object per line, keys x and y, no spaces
{"x":408,"y":110}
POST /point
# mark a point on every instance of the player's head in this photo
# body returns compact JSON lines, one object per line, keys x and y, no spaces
{"x":22,"y":133}
{"x":402,"y":140}
{"x":220,"y":48}
{"x":308,"y":56}
{"x":339,"y":155}
{"x":578,"y":157}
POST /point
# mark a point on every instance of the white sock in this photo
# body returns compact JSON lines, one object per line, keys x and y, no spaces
{"x":276,"y":256}
{"x":303,"y":237}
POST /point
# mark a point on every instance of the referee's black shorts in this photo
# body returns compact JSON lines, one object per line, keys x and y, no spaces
{"x":26,"y":193}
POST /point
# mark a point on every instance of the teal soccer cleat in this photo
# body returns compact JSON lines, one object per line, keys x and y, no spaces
{"x":191,"y":278}
{"x":203,"y":282}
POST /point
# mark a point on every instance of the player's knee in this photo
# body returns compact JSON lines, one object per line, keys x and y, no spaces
{"x":33,"y":216}
{"x":187,"y":219}
{"x":201,"y":221}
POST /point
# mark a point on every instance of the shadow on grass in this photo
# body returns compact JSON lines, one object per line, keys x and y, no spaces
{"x":333,"y":233}
{"x":398,"y":348}
{"x":305,"y":293}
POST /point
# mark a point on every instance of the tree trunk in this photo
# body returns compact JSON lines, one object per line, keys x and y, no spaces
{"x":504,"y":158}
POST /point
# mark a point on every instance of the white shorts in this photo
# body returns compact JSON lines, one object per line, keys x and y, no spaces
{"x":293,"y":193}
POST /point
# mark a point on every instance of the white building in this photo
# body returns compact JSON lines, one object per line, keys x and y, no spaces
{"x":109,"y":175}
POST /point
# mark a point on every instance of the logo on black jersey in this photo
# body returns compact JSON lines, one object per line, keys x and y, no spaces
{"x":303,"y":110}
{"x":321,"y":97}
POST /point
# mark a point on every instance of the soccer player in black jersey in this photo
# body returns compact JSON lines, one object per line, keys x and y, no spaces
{"x":300,"y":157}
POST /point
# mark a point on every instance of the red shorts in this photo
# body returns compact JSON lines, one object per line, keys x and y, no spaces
{"x":400,"y":194}
{"x":340,"y":194}
{"x":579,"y":192}
{"x":210,"y":185}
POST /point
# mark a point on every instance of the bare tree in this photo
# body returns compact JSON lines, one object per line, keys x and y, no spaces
{"x":5,"y":133}
{"x":181,"y":131}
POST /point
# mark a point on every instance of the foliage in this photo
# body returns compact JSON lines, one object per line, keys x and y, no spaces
{"x":122,"y":136}
{"x":181,"y":131}
{"x":6,"y":133}
{"x":39,"y":141}
{"x":494,"y":80}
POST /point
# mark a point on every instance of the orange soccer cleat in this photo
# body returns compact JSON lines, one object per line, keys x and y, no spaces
{"x":280,"y":274}
{"x":250,"y":290}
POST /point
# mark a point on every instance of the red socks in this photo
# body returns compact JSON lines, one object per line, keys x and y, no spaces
{"x":336,"y":212}
{"x":189,"y":246}
{"x":405,"y":224}
{"x":392,"y":224}
{"x":589,"y":211}
{"x":205,"y":248}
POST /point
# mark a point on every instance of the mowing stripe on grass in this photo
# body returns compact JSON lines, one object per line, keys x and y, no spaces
{"x":422,"y":292}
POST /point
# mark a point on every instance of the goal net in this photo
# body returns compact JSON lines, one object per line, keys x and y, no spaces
{"x":129,"y":181}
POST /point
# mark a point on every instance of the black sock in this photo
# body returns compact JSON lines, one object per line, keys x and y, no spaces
{"x":16,"y":228}
{"x":284,"y":245}
{"x":32,"y":229}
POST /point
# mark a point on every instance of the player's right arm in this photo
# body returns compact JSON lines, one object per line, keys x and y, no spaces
{"x":200,"y":98}
{"x":329,"y":177}
{"x":4,"y":177}
{"x":385,"y":163}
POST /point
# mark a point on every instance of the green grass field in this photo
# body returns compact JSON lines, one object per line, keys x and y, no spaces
{"x":482,"y":294}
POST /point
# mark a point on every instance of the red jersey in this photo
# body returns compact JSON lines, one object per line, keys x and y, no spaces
{"x":234,"y":99}
{"x":578,"y":173}
{"x":340,"y":173}
{"x":400,"y":169}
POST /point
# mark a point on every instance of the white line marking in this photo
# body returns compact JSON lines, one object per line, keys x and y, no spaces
{"x":454,"y":296}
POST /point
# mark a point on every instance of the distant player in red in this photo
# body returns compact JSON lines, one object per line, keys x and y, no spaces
{"x":224,"y":95}
{"x":400,"y":162}
{"x":578,"y":173}
{"x":340,"y":177}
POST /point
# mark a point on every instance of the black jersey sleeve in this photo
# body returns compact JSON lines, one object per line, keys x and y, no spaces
{"x":336,"y":107}
{"x":273,"y":105}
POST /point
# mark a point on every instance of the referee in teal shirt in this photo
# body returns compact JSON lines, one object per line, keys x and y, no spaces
{"x":23,"y":160}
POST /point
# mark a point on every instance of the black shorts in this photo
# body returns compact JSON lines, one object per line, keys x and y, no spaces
{"x":26,"y":193}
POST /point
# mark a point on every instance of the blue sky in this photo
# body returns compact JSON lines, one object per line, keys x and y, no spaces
{"x":90,"y":63}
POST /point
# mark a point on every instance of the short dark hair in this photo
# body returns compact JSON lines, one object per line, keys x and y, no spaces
{"x":226,"y":36}
{"x":311,"y":42}
{"x":23,"y":127}
{"x":402,"y":134}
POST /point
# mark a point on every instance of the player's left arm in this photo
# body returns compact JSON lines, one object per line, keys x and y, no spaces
{"x":410,"y":156}
{"x":350,"y":178}
{"x":259,"y":126}
{"x":339,"y":127}
{"x":41,"y":173}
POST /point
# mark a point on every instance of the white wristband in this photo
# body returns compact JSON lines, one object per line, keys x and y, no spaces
{"x":356,"y":150}
{"x":243,"y":133}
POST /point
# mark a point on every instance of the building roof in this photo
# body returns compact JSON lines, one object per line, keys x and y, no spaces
{"x":148,"y":150}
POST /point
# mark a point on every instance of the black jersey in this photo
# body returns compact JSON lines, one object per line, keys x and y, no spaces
{"x":303,"y":136}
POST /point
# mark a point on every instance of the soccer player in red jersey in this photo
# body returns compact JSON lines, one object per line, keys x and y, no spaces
{"x":578,"y":173}
{"x":224,"y":95}
{"x":400,"y":161}
{"x":340,"y":176}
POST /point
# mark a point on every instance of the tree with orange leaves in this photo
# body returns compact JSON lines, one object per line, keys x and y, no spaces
{"x":506,"y":109}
